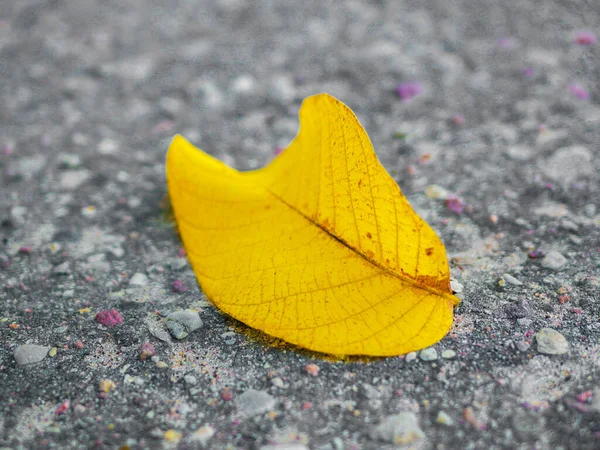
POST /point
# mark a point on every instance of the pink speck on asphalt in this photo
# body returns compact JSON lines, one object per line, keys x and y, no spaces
{"x":109,"y":317}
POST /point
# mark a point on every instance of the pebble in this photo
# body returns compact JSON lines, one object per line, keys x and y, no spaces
{"x":520,"y":152}
{"x":448,"y":354}
{"x":161,"y":364}
{"x":52,"y":352}
{"x":282,"y":89}
{"x":157,"y":331}
{"x":277,"y":382}
{"x":30,"y":354}
{"x":203,"y":434}
{"x":30,"y":166}
{"x":550,"y":140}
{"x":524,"y":321}
{"x":552,"y":209}
{"x":399,"y":429}
{"x":569,"y":225}
{"x":569,"y":163}
{"x":190,"y":379}
{"x":253,"y":402}
{"x":589,"y":210}
{"x":147,"y":350}
{"x":182,"y":323}
{"x":522,"y":346}
{"x":73,"y":179}
{"x":98,"y":263}
{"x":554,"y":261}
{"x":444,"y":419}
{"x":429,"y":354}
{"x":551,"y":342}
{"x":138,"y":280}
{"x":511,"y":280}
{"x":107,"y":146}
{"x":62,"y":269}
{"x":177,"y":263}
{"x":410,"y":356}
{"x":456,"y":287}
{"x":243,"y":85}
{"x":109,"y":317}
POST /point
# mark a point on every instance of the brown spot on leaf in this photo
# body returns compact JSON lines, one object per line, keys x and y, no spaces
{"x":369,"y":254}
{"x":369,"y":235}
{"x":429,"y":251}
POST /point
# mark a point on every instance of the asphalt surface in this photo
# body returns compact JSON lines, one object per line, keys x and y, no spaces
{"x":505,"y":123}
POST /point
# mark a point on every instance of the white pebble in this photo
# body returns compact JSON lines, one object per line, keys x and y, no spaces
{"x":551,"y":342}
{"x":448,"y":354}
{"x":253,"y":402}
{"x":428,"y":354}
{"x":410,"y":356}
{"x":138,"y":279}
{"x":511,"y":280}
{"x":400,"y":429}
{"x":554,"y":261}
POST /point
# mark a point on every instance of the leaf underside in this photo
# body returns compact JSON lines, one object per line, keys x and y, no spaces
{"x":320,"y":248}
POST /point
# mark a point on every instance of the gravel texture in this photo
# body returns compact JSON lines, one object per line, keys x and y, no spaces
{"x":494,"y":103}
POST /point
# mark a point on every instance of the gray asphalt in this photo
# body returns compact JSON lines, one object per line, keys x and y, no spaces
{"x":507,"y":121}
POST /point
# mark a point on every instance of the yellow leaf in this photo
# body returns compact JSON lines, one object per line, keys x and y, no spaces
{"x":320,"y":248}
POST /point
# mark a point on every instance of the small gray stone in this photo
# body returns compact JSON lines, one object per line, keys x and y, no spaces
{"x":448,"y":354}
{"x":253,"y":402}
{"x":62,"y":269}
{"x":520,"y":152}
{"x":522,"y":346}
{"x":456,"y":287}
{"x":399,"y":429}
{"x":177,"y":263}
{"x":30,"y":354}
{"x":277,"y":382}
{"x":554,"y":261}
{"x":73,"y":179}
{"x":428,"y":354}
{"x":569,"y":225}
{"x":549,"y":140}
{"x":176,"y":329}
{"x":410,"y":356}
{"x":190,"y":379}
{"x":569,"y":163}
{"x":139,"y":280}
{"x":524,"y":321}
{"x":182,"y":323}
{"x":98,"y":263}
{"x":157,"y":331}
{"x":512,"y":280}
{"x":551,"y":342}
{"x":28,"y":167}
{"x":589,"y":210}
